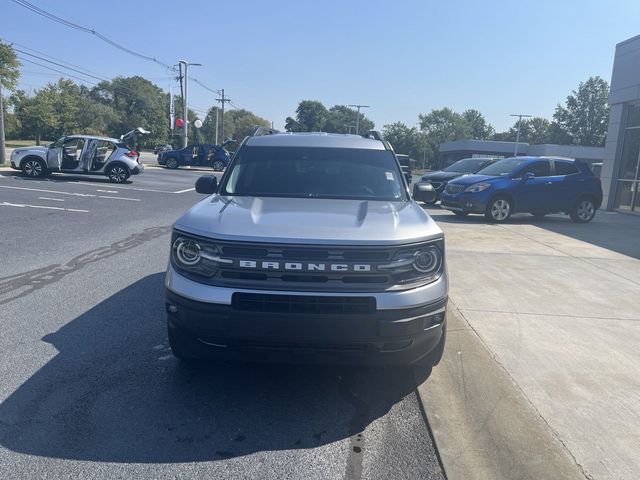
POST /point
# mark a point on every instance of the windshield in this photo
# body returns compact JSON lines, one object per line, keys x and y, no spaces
{"x":467,"y":165}
{"x":314,"y":173}
{"x":502,"y":168}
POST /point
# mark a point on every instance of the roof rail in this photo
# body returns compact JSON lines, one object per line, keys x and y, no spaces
{"x":374,"y":134}
{"x":259,"y":131}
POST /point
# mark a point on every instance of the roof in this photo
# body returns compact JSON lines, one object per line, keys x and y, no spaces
{"x":94,"y":137}
{"x":488,"y":147}
{"x":315,"y":140}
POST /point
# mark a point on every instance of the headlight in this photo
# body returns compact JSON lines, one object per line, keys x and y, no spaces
{"x":416,"y":265}
{"x":195,"y":256}
{"x":477,"y":187}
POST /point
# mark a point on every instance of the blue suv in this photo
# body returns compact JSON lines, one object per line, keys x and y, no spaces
{"x":536,"y":185}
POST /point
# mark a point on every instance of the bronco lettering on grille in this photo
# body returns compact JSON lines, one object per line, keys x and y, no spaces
{"x":304,"y":266}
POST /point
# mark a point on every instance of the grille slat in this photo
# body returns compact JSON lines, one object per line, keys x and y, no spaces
{"x":454,"y":189}
{"x":267,"y":303}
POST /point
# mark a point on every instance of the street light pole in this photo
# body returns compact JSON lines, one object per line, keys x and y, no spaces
{"x":520,"y":116}
{"x":358,"y":116}
{"x":185,"y":111}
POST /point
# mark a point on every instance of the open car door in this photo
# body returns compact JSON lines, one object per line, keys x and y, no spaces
{"x":54,"y":155}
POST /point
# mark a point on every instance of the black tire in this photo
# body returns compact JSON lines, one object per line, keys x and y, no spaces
{"x":460,"y":214}
{"x":118,"y":173}
{"x":218,"y":166}
{"x":184,"y":347}
{"x":34,"y":168}
{"x":583,"y":210}
{"x":499,"y":209}
{"x":172,"y":163}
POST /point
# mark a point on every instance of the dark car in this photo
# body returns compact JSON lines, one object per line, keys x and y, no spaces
{"x":202,"y":154}
{"x":163,"y":147}
{"x":439,"y":179}
{"x":536,"y":185}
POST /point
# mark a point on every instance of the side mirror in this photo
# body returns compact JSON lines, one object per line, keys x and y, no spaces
{"x":207,"y":184}
{"x":424,"y":192}
{"x":527,"y":176}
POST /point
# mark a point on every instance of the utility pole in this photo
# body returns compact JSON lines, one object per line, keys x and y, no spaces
{"x":520,"y":117}
{"x":358,"y":116}
{"x":217,"y":113}
{"x":223,"y":100}
{"x":3,"y":157}
{"x":185,"y":111}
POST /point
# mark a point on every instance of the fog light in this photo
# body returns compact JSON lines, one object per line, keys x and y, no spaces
{"x":432,"y":320}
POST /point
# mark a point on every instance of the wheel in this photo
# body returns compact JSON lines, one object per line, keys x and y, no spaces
{"x":461,"y":214}
{"x":499,"y":209}
{"x":172,"y":163}
{"x":218,"y":165}
{"x":583,"y":211}
{"x":183,"y":346}
{"x":118,"y":173}
{"x":34,"y":168}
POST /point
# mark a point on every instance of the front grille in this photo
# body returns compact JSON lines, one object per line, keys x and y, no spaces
{"x":266,"y":303}
{"x":454,"y":189}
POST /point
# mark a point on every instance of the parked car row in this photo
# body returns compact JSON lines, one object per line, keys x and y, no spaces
{"x":201,"y":154}
{"x":536,"y":185}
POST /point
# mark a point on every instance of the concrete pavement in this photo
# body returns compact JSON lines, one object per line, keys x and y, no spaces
{"x":556,"y":305}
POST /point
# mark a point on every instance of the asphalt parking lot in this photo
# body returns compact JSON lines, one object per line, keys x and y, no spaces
{"x":91,"y":390}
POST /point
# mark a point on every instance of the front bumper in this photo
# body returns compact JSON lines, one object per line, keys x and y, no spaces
{"x":400,"y":335}
{"x":465,"y":202}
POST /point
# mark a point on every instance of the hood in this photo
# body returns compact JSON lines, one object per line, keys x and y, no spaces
{"x":441,"y":175}
{"x":309,"y":221}
{"x":471,"y":179}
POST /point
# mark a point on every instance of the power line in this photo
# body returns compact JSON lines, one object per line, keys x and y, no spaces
{"x":67,"y":23}
{"x":59,"y":71}
{"x":60,"y":65}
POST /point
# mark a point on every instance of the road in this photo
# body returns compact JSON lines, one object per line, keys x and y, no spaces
{"x":91,"y":390}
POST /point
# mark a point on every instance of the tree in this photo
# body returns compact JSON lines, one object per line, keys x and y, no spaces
{"x":534,"y":131}
{"x":310,"y":117}
{"x":478,"y":126}
{"x":407,"y":140}
{"x":441,"y":126}
{"x":585,"y":116}
{"x":9,"y":75}
{"x":36,"y":114}
{"x":341,"y":117}
{"x":240,"y":123}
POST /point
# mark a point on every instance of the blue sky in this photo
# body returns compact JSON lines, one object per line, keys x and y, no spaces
{"x":401,"y":57}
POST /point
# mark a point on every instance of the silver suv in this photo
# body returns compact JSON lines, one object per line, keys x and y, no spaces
{"x":79,"y":154}
{"x":309,"y":249}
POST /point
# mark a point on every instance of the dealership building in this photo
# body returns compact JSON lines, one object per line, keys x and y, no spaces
{"x":621,"y":162}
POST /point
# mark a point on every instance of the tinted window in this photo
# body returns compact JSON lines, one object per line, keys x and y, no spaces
{"x":314,"y":173}
{"x":502,"y":168}
{"x":539,"y":169}
{"x":566,"y":168}
{"x":467,"y":165}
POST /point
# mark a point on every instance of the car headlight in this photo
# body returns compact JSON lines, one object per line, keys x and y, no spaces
{"x":477,"y":187}
{"x":423,"y":264}
{"x":194,"y":255}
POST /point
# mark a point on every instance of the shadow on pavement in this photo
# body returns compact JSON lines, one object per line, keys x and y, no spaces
{"x":114,"y":393}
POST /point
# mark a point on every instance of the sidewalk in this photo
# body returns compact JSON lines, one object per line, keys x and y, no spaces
{"x":556,"y":304}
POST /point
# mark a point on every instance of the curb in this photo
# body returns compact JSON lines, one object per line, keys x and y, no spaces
{"x":483,"y":426}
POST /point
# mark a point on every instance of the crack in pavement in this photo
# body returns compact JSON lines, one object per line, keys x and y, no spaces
{"x":15,"y":286}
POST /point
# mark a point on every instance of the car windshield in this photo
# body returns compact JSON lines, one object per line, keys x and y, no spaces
{"x":502,"y":168}
{"x":315,"y":173}
{"x":467,"y":165}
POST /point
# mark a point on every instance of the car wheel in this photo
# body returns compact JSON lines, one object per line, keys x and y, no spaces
{"x":498,"y":210}
{"x":583,"y":211}
{"x":461,"y":214}
{"x":34,"y":168}
{"x":172,"y":163}
{"x":118,"y":173}
{"x":183,"y":346}
{"x":218,"y":165}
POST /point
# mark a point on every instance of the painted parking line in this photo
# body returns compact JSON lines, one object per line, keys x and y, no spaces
{"x":23,"y":205}
{"x":107,"y":191}
{"x":51,"y":199}
{"x":185,"y":190}
{"x":71,"y":194}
